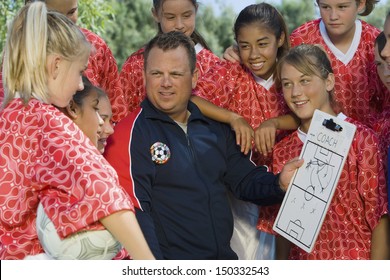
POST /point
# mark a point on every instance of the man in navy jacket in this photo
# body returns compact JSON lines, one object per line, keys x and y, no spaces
{"x":178,"y":166}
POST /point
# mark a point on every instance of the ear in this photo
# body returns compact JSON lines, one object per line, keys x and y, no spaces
{"x":72,"y":110}
{"x":281,"y":39}
{"x":53,"y":65}
{"x":361,"y":6}
{"x":195,"y":78}
{"x":330,"y":82}
{"x":155,"y":15}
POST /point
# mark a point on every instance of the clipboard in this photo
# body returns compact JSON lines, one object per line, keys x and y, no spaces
{"x":310,"y":192}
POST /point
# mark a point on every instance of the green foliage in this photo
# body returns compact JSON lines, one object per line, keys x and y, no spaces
{"x":296,"y":12}
{"x":217,"y":31}
{"x":8,"y":9}
{"x":132,"y":28}
{"x":378,"y":16}
{"x":94,"y":14}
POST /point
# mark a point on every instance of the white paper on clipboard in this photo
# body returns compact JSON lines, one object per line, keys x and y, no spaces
{"x":310,"y":192}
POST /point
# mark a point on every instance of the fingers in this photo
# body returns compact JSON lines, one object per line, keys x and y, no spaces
{"x":288,"y":172}
{"x":265,"y":140}
{"x":244,"y":138}
{"x":231,"y":54}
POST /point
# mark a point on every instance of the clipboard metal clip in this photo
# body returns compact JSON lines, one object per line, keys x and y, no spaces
{"x":330,"y":124}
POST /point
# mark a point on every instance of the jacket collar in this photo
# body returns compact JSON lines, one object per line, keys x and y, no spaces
{"x":152,"y":112}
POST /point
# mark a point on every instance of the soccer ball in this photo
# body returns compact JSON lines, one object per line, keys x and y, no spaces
{"x":160,"y":153}
{"x":85,"y":245}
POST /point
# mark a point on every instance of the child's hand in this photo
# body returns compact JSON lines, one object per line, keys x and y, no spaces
{"x":231,"y":54}
{"x":265,"y":136}
{"x":244,"y":133}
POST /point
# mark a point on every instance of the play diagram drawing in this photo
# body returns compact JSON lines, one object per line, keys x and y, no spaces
{"x":310,"y":192}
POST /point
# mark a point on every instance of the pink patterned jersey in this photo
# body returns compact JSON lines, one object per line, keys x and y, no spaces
{"x":233,"y":87}
{"x":358,"y":89}
{"x":357,"y":205}
{"x":102,"y":71}
{"x":132,"y":81}
{"x":45,"y":157}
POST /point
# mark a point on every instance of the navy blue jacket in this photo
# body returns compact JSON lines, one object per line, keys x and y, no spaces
{"x":182,"y":204}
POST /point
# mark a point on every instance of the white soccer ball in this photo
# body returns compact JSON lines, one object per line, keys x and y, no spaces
{"x":86,"y":245}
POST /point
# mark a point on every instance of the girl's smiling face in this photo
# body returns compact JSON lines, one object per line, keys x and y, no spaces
{"x":305,"y":93}
{"x":258,"y":49}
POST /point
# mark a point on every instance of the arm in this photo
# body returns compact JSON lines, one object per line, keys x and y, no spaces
{"x":255,"y":184}
{"x":124,"y":227}
{"x":380,"y":240}
{"x":244,"y":132}
{"x":265,"y":134}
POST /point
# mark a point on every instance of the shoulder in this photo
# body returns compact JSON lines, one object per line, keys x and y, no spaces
{"x":309,"y":26}
{"x":136,"y":58}
{"x":369,"y":32}
{"x":364,"y":135}
{"x":93,"y":38}
{"x":308,"y":33}
{"x":205,"y":53}
{"x":226,"y":68}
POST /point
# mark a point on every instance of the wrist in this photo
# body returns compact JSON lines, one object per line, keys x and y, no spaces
{"x":233,"y":117}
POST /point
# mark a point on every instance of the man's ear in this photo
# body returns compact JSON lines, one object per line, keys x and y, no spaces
{"x":195,"y":78}
{"x":72,"y":110}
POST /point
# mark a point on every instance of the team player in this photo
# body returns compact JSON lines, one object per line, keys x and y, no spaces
{"x":356,"y":225}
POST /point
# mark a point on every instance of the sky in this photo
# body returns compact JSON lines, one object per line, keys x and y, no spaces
{"x":237,"y":5}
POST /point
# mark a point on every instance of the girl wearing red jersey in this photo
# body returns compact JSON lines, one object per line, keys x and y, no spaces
{"x":45,"y":156}
{"x":356,"y":225}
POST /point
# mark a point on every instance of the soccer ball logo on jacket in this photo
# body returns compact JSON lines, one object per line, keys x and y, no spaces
{"x":160,"y":153}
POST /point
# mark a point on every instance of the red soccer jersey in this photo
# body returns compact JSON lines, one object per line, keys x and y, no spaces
{"x":132,"y":80}
{"x":360,"y":199}
{"x":103,"y":71}
{"x":233,"y":87}
{"x":358,"y":89}
{"x":46,"y":157}
{"x":1,"y":87}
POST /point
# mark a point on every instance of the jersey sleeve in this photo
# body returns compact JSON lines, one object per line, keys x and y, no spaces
{"x":218,"y":84}
{"x":81,"y":187}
